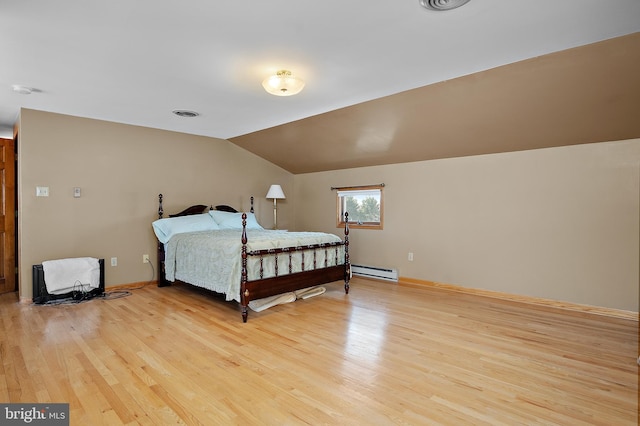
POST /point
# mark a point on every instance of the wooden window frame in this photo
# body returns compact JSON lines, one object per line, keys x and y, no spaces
{"x":352,"y":223}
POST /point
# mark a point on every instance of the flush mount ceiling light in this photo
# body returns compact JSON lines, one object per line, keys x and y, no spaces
{"x":23,"y":90}
{"x":283,"y":83}
{"x":442,"y":4}
{"x":185,"y":113}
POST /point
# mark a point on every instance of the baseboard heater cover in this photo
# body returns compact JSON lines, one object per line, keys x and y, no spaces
{"x":375,"y":272}
{"x":42,"y":296}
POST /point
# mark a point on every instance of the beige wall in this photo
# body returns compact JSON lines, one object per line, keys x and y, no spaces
{"x":558,"y":223}
{"x":121,"y":169}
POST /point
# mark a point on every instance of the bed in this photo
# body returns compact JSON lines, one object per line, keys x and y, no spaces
{"x":228,"y":252}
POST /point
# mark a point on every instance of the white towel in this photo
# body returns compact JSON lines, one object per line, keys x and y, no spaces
{"x":266,"y":303}
{"x":308,"y":292}
{"x":64,"y":275}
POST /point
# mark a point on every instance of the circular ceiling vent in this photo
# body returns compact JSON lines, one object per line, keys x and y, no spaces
{"x":442,"y":4}
{"x":185,"y":113}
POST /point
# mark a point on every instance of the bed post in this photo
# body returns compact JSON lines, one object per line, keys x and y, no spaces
{"x":244,"y":293}
{"x":162,"y":278}
{"x":347,"y":261}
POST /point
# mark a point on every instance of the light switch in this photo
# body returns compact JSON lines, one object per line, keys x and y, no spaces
{"x":76,"y":192}
{"x":42,"y":191}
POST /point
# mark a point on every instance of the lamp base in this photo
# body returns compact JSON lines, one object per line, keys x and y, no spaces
{"x":275,"y":215}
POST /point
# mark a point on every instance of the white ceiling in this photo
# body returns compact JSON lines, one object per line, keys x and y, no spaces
{"x":136,"y":61}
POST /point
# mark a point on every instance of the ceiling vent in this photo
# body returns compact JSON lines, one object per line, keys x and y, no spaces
{"x":442,"y":4}
{"x":185,"y":113}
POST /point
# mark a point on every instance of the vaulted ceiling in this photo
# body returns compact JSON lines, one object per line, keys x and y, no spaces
{"x":386,"y":81}
{"x":582,"y":95}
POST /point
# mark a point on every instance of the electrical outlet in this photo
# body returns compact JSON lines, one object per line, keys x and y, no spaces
{"x":410,"y":257}
{"x":114,"y":261}
{"x":145,"y":258}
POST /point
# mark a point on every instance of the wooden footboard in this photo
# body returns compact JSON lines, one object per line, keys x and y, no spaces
{"x":320,"y":274}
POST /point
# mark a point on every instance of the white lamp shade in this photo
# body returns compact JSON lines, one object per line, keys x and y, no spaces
{"x":275,"y":192}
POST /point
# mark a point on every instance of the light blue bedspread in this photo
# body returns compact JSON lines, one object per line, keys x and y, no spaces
{"x":212,"y":259}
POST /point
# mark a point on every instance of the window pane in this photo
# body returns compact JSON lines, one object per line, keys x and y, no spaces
{"x":364,"y":206}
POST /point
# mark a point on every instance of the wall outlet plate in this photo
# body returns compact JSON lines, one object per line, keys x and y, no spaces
{"x":42,"y":191}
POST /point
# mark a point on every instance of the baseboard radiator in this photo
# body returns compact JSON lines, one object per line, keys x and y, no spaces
{"x":375,"y":272}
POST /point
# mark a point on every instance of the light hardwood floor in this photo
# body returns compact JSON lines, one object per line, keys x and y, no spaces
{"x":385,"y":354}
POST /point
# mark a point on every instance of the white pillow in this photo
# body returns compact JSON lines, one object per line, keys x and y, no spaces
{"x":168,"y":227}
{"x":228,"y":220}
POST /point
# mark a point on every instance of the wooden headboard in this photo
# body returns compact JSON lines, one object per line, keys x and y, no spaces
{"x":197,"y":209}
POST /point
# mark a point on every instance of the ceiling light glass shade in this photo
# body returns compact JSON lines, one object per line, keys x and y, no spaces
{"x":283,"y":83}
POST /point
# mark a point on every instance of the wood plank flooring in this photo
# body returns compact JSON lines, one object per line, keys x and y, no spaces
{"x":385,"y":354}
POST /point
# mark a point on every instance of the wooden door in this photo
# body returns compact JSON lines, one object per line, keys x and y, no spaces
{"x":7,"y":217}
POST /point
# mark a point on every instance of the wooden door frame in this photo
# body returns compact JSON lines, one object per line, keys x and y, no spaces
{"x":15,"y":215}
{"x":8,"y":224}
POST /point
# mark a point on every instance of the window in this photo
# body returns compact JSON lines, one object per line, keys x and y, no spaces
{"x":364,"y":205}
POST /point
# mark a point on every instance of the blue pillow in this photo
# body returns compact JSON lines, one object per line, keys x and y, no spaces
{"x":168,"y":227}
{"x":228,"y":220}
